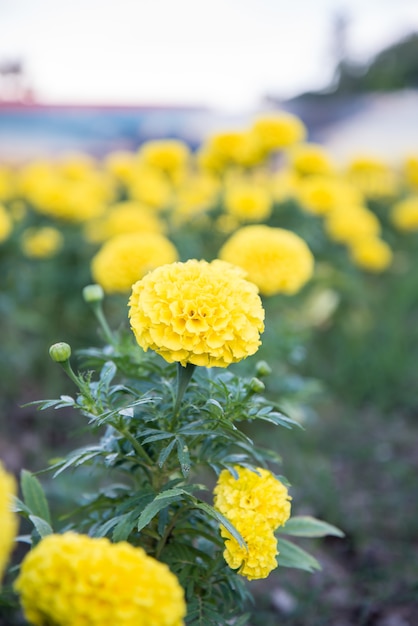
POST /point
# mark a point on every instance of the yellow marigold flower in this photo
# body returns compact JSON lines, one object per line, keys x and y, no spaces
{"x":168,"y":155}
{"x":76,"y":166}
{"x":372,"y":254}
{"x":232,"y":147}
{"x":124,"y":259}
{"x":122,"y":218}
{"x":151,"y":187}
{"x":6,"y":224}
{"x":258,"y":558}
{"x":404,"y":214}
{"x":73,"y":579}
{"x":8,"y":520}
{"x":121,"y":164}
{"x":247,"y":201}
{"x":197,"y":312}
{"x":322,"y":194}
{"x":260,"y":492}
{"x":275,"y":259}
{"x":352,"y":223}
{"x":276,"y":131}
{"x":311,"y":158}
{"x":41,"y":243}
{"x":373,"y":177}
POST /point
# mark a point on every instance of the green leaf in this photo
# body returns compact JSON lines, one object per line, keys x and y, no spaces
{"x":307,"y":526}
{"x":41,"y":525}
{"x":160,"y":502}
{"x":33,"y":496}
{"x":183,"y":456}
{"x":210,"y":510}
{"x":291,"y":555}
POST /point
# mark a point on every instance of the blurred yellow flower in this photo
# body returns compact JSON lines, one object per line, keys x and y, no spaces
{"x":352,"y":223}
{"x":311,"y":158}
{"x":276,"y":131}
{"x":258,"y":491}
{"x":373,"y":177}
{"x":197,"y":312}
{"x":7,"y":183}
{"x":322,"y":194}
{"x":124,"y":259}
{"x":6,"y":224}
{"x":122,"y":218}
{"x":404,"y":214}
{"x":371,"y":253}
{"x":151,"y":187}
{"x":248,"y":201}
{"x":76,"y":166}
{"x":258,"y":558}
{"x":275,"y":259}
{"x":232,"y":147}
{"x":73,"y":579}
{"x":284,"y":184}
{"x":121,"y":164}
{"x":410,"y":170}
{"x":41,"y":243}
{"x":8,"y":519}
{"x":168,"y":155}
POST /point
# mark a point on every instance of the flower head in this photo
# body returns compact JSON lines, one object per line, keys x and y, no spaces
{"x":405,"y":214}
{"x":197,"y":312}
{"x":124,"y":259}
{"x":278,"y":131}
{"x":74,"y":579}
{"x":41,"y":243}
{"x":258,"y":491}
{"x":372,"y":254}
{"x":352,"y":223}
{"x":124,"y":217}
{"x":311,"y":158}
{"x":248,"y":202}
{"x":8,"y":520}
{"x":258,"y":558}
{"x":275,"y":259}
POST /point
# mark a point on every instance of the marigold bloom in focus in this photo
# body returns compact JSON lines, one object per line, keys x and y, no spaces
{"x":41,"y":243}
{"x":279,"y":130}
{"x":275,"y":259}
{"x":73,"y":579}
{"x":372,"y":254}
{"x":259,"y":491}
{"x":258,"y":558}
{"x":197,"y":312}
{"x":124,"y":259}
{"x":8,"y":520}
{"x":404,"y":214}
{"x":6,"y":224}
{"x":247,"y":201}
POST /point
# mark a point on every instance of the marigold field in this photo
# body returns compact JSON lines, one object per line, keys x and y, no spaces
{"x":257,"y":245}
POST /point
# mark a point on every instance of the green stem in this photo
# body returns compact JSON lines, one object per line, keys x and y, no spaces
{"x":66,"y":366}
{"x":98,"y":311}
{"x":136,"y":445}
{"x":184,"y":375}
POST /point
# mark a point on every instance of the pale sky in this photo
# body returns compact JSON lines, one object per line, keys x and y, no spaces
{"x":219,"y":53}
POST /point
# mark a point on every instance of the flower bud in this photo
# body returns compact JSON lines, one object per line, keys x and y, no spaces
{"x":60,"y":352}
{"x":256,"y":385}
{"x":93,"y":293}
{"x":262,"y":368}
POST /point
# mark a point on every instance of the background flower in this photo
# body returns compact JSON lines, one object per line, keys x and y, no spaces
{"x":8,"y":520}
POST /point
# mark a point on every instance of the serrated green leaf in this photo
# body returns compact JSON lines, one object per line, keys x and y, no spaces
{"x":307,"y":526}
{"x":160,"y":502}
{"x":291,"y":555}
{"x":41,"y":525}
{"x":33,"y":496}
{"x":165,"y":452}
{"x":183,"y":456}
{"x":210,"y":510}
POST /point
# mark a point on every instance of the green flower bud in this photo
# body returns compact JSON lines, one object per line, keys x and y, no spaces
{"x":60,"y":352}
{"x":256,"y":385}
{"x":93,"y":293}
{"x":262,"y":368}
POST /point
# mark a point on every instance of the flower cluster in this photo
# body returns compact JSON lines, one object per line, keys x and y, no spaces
{"x":74,"y":579}
{"x":256,"y":503}
{"x":275,"y":259}
{"x":8,"y":520}
{"x":197,"y":312}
